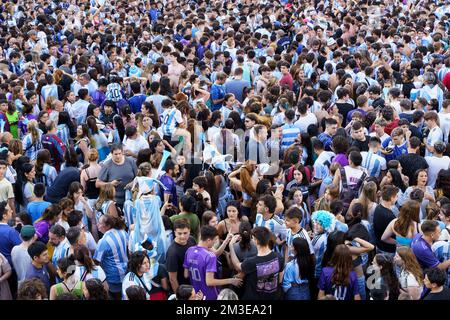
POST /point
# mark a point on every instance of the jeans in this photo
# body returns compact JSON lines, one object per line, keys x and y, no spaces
{"x":362,"y":287}
{"x":300,"y":292}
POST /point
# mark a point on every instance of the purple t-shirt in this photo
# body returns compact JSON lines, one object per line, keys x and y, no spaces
{"x":340,"y":292}
{"x":424,"y":254}
{"x":198,"y":260}
{"x":341,"y":159}
{"x":42,"y":228}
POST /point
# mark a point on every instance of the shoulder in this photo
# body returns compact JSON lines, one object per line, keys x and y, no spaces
{"x":278,"y":220}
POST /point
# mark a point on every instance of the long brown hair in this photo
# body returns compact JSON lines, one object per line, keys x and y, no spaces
{"x":368,"y":194}
{"x":410,"y":263}
{"x":106,"y":193}
{"x":409,"y":213}
{"x":247,"y":171}
{"x":341,"y":261}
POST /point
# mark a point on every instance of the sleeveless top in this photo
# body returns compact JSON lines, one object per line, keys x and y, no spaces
{"x":92,"y":192}
{"x":77,"y":291}
{"x":404,"y":241}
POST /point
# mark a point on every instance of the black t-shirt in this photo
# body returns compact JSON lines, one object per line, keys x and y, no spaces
{"x":361,"y":145}
{"x":412,"y":162}
{"x":156,"y":281}
{"x":416,"y":132}
{"x":175,"y":258}
{"x":407,"y":116}
{"x":344,"y":108}
{"x":261,"y":277}
{"x":381,"y":218}
{"x":443,"y":295}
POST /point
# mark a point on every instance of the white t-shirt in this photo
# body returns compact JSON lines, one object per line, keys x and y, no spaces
{"x":444,"y":121}
{"x":434,"y":136}
{"x":407,"y":280}
{"x":382,"y":138}
{"x":303,"y":122}
{"x":353,"y":175}
{"x":135,"y":145}
{"x":435,"y":165}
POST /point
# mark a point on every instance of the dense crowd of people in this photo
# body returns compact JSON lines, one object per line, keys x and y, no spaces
{"x":205,"y":150}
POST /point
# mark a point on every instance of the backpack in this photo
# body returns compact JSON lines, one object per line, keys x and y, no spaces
{"x":348,"y":193}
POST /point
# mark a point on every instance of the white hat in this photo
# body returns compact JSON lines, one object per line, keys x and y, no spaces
{"x":331,"y":42}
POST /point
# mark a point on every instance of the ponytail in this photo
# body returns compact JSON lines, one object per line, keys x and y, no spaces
{"x":81,"y":254}
{"x":67,"y":266}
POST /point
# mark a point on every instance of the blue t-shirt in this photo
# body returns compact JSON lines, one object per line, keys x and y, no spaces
{"x":41,"y":274}
{"x":36,"y":208}
{"x":136,"y":102}
{"x":217,"y":92}
{"x":9,"y":238}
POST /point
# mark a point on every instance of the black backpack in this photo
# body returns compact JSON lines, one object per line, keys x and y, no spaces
{"x":348,"y":193}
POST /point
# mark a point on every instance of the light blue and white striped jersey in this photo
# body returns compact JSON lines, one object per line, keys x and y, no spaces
{"x":131,"y":279}
{"x":114,"y":92}
{"x":434,"y":92}
{"x":442,"y":72}
{"x":63,"y":133}
{"x":301,"y":234}
{"x":170,"y":118}
{"x":322,"y":165}
{"x":373,"y":163}
{"x":49,"y":91}
{"x":289,"y":133}
{"x":61,"y":251}
{"x":320,"y":245}
{"x":441,"y":250}
{"x":292,"y":275}
{"x":81,"y":273}
{"x":275,"y":225}
{"x":31,"y":150}
{"x":129,"y":209}
{"x":50,"y":172}
{"x":111,"y":252}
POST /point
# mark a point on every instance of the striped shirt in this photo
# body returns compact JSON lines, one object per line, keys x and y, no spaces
{"x":320,"y":245}
{"x":29,"y":148}
{"x":170,"y":119}
{"x":131,"y":279}
{"x":112,"y":254}
{"x":442,"y":72}
{"x":441,"y":250}
{"x":50,"y":173}
{"x":113,"y":92}
{"x":81,"y":273}
{"x":289,"y":133}
{"x":61,"y":251}
{"x":63,"y":133}
{"x":275,"y":225}
{"x":301,"y":234}
{"x":373,"y":163}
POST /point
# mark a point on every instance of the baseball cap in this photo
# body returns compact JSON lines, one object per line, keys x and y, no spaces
{"x":27,"y":232}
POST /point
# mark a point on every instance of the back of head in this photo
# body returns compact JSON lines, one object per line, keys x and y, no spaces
{"x":184,"y":292}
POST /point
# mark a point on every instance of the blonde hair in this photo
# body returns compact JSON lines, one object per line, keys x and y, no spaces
{"x":32,"y":128}
{"x":92,"y":155}
{"x":106,"y":193}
